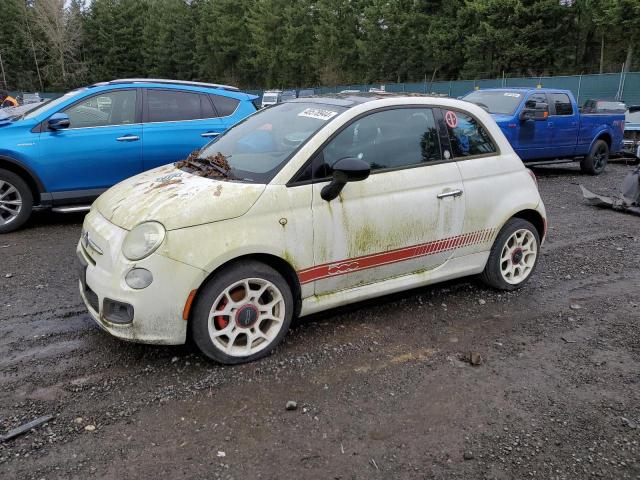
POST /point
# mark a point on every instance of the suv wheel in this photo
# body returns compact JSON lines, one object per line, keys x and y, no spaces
{"x":514,"y":256}
{"x":16,"y":201}
{"x":242,"y":313}
{"x":596,"y":161}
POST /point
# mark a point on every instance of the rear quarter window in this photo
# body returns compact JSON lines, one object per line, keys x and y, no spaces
{"x":224,"y":105}
{"x":467,"y":136}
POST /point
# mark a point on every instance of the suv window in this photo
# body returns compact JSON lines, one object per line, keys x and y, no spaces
{"x":173,"y":105}
{"x":117,"y":107}
{"x":561,"y":103}
{"x":467,"y":135}
{"x":388,"y":139}
{"x":224,"y":105}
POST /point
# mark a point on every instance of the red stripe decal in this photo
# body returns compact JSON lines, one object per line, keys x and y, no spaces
{"x":393,"y":256}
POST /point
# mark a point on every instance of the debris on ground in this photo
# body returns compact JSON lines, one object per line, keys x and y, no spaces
{"x":629,"y":423}
{"x":475,"y":359}
{"x":25,"y":428}
{"x":291,"y":405}
{"x":628,"y":201}
{"x":468,"y":456}
{"x":213,"y":166}
{"x":90,"y":428}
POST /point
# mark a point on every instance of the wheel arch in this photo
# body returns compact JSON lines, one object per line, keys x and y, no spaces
{"x":279,"y":264}
{"x":535,"y":218}
{"x":603,"y":135}
{"x":32,"y":180}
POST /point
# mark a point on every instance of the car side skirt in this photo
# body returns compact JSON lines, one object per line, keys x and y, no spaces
{"x":454,"y":268}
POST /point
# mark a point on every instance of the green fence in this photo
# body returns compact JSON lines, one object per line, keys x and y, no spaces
{"x":625,"y":87}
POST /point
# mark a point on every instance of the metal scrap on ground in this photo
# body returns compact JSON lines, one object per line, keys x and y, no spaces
{"x":25,"y":428}
{"x":629,"y":201}
{"x":214,"y":166}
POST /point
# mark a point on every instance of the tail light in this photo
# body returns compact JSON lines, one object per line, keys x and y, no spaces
{"x":533,"y":176}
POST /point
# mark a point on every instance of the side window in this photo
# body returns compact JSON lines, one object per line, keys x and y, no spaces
{"x":387,"y":139}
{"x":108,"y":108}
{"x":535,"y":99}
{"x":206,"y":107}
{"x":467,"y":136}
{"x":172,"y":105}
{"x":224,"y":105}
{"x":561,"y":103}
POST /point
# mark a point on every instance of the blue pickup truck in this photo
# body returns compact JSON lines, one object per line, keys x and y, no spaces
{"x":64,"y":153}
{"x":546,"y":126}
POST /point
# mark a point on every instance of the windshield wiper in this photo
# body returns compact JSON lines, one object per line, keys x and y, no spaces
{"x":214,"y":166}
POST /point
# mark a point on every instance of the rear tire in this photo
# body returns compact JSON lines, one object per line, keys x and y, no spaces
{"x":242,"y":313}
{"x":514,"y":256}
{"x":596,"y":161}
{"x":16,"y":201}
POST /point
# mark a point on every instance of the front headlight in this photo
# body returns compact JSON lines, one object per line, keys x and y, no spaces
{"x":143,"y":240}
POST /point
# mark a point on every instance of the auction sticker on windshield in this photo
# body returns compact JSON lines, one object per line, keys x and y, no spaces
{"x":317,"y":113}
{"x":510,"y":94}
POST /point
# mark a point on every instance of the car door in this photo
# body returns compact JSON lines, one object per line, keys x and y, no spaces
{"x":565,"y":124}
{"x":534,"y":137}
{"x":404,"y":218}
{"x":484,"y":179}
{"x":101,"y":147}
{"x":176,"y":123}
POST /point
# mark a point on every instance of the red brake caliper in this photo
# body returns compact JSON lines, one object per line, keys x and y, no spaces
{"x":221,"y":321}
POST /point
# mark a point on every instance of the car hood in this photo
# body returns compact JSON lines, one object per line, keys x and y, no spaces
{"x":176,"y":199}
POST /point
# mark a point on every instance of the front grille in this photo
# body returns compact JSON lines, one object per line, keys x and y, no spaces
{"x":92,"y":298}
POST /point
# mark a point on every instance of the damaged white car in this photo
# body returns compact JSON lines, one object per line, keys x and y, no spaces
{"x":305,"y":206}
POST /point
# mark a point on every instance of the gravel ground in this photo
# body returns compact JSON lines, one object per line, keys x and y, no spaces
{"x":384,"y":389}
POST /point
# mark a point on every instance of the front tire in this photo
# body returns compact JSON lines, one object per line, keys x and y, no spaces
{"x":514,"y":256}
{"x":242,"y":313}
{"x":596,"y":161}
{"x":16,"y":201}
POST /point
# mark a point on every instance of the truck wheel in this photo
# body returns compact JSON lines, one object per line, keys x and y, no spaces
{"x":16,"y":201}
{"x":514,"y":256}
{"x":596,"y":161}
{"x":242,"y":313}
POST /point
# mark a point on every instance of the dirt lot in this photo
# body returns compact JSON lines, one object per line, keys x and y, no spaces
{"x":382,"y":388}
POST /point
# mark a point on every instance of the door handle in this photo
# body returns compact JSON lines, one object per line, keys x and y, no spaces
{"x":450,"y":193}
{"x":210,"y":134}
{"x":128,"y":138}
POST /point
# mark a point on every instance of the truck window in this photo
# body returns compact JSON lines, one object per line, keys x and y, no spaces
{"x":467,"y":135}
{"x":561,"y":103}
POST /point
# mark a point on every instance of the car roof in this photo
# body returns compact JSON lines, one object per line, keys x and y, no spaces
{"x":162,"y":81}
{"x":522,"y":89}
{"x":351,"y":99}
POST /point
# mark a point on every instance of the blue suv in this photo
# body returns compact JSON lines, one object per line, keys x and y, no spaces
{"x":66,"y":152}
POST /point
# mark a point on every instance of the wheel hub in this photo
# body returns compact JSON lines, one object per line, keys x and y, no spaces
{"x":516,"y":256}
{"x":246,"y":316}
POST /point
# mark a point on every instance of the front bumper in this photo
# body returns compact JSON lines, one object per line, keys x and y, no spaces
{"x":157,"y":309}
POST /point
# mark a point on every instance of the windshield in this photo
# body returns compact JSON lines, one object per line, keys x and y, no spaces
{"x":633,"y":117}
{"x":51,"y":104}
{"x":504,"y":103}
{"x":259,"y":146}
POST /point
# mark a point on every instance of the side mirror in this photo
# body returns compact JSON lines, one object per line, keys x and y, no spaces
{"x":345,"y":170}
{"x":538,"y":111}
{"x":58,"y":121}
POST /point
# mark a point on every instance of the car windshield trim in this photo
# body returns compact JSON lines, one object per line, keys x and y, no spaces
{"x":258,"y":147}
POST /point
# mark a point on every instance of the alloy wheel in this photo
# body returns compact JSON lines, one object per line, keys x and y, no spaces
{"x":246,"y":317}
{"x":518,"y":256}
{"x":10,"y":202}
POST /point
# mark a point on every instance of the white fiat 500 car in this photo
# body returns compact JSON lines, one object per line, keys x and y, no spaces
{"x":308,"y":205}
